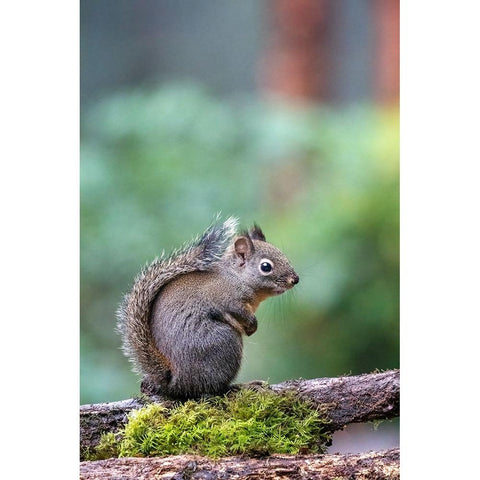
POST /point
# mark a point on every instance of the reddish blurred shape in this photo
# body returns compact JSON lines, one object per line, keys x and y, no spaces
{"x":387,"y":45}
{"x":303,"y":42}
{"x":292,"y":68}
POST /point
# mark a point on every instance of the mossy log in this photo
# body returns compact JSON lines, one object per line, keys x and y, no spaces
{"x":379,"y":465}
{"x":348,"y":399}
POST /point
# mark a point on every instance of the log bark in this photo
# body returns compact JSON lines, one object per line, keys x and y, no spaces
{"x":373,"y":465}
{"x":348,"y":399}
{"x":351,"y":399}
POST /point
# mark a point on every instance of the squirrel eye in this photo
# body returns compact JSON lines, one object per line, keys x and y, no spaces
{"x":266,"y":266}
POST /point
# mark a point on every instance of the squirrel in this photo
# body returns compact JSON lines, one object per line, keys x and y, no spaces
{"x":182,"y":322}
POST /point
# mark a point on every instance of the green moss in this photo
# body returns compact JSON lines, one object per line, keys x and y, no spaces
{"x":246,"y":422}
{"x":107,"y":448}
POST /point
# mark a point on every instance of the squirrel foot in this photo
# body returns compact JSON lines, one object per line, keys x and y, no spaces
{"x":257,"y":385}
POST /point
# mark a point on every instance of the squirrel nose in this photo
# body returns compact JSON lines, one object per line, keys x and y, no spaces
{"x":294,"y":279}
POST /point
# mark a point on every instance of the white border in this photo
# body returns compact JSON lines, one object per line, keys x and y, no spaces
{"x":440,"y":239}
{"x":40,"y":237}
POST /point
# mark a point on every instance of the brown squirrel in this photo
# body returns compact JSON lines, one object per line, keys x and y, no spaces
{"x":182,"y":322}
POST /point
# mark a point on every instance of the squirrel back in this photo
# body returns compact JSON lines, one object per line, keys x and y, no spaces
{"x":186,"y":339}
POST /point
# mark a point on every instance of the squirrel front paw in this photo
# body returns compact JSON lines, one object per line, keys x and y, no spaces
{"x":250,"y":326}
{"x":242,"y":324}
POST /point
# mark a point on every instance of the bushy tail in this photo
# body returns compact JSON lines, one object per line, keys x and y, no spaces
{"x":134,"y":312}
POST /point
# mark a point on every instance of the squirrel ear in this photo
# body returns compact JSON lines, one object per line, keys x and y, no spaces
{"x":256,"y":233}
{"x":244,"y":247}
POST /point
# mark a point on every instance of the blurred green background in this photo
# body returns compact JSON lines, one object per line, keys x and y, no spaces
{"x":164,"y":150}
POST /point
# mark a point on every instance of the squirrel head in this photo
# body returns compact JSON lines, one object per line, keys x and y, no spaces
{"x":264,"y":267}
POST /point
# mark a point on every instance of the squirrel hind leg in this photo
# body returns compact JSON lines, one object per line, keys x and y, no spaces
{"x":148,"y":388}
{"x":156,"y":386}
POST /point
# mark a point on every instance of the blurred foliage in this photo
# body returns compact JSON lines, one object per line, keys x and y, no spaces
{"x":323,"y":183}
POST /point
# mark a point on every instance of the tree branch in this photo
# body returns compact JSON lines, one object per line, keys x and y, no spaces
{"x":379,"y":465}
{"x":348,"y":399}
